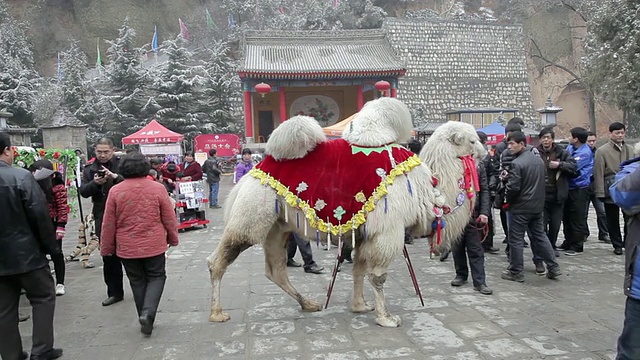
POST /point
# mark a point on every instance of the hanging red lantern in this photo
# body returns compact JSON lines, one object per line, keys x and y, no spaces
{"x":383,"y":86}
{"x":263,"y":89}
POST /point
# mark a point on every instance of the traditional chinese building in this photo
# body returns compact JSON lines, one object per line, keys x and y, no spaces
{"x":328,"y":75}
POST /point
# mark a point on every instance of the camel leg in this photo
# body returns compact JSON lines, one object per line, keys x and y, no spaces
{"x":275,"y":253}
{"x":383,"y":317}
{"x":358,"y":304}
{"x":227,"y":251}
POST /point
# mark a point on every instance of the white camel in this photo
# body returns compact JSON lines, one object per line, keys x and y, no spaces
{"x":262,"y":210}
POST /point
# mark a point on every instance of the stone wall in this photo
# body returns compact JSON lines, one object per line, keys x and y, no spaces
{"x":20,"y":139}
{"x":65,"y":138}
{"x":452,"y":64}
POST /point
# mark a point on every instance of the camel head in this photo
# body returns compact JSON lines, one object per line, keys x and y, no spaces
{"x":381,"y":121}
{"x":452,"y":140}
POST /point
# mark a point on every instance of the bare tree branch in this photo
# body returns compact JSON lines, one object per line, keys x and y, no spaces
{"x":538,"y":55}
{"x":574,"y":9}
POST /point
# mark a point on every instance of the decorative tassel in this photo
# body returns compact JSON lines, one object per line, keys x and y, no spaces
{"x":409,"y":186}
{"x":353,"y":235}
{"x":328,"y":235}
{"x":286,"y":213}
{"x":306,"y":224}
{"x":317,"y":238}
{"x":385,"y":205}
{"x":277,"y":211}
{"x":298,"y":219}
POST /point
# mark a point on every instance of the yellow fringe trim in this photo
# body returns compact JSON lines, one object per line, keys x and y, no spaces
{"x":358,"y":218}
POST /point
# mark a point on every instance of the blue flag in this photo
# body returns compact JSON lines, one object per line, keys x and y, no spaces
{"x":232,"y":23}
{"x":154,"y":41}
{"x":59,"y":69}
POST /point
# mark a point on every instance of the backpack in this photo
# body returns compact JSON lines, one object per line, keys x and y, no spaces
{"x":627,"y":199}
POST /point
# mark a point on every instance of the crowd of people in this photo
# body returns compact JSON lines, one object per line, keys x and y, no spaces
{"x":536,"y":190}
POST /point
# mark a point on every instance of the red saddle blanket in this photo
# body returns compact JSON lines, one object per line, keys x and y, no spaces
{"x":337,"y":184}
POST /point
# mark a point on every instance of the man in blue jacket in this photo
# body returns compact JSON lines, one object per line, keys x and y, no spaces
{"x":574,"y":215}
{"x":629,"y":341}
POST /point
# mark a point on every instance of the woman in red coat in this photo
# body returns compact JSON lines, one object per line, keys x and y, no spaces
{"x":139,"y":222}
{"x":191,"y":169}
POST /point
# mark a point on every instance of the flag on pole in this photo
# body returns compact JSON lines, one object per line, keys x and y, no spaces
{"x":183,"y":30}
{"x":154,"y":41}
{"x":210,"y":24}
{"x":336,"y":3}
{"x":99,"y":59}
{"x":59,"y":69}
{"x":232,"y":22}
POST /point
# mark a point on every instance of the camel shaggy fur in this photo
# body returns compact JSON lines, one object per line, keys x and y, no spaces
{"x":409,"y":203}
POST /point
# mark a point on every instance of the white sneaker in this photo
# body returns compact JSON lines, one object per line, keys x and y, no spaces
{"x":60,"y":290}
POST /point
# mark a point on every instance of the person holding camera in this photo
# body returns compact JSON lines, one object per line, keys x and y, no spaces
{"x":97,"y":179}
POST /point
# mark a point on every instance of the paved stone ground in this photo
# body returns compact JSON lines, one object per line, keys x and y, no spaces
{"x":576,"y":317}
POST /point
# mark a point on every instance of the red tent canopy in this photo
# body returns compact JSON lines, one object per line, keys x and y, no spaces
{"x":153,"y":133}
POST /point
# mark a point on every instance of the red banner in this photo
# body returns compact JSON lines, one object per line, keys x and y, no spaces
{"x":226,"y":144}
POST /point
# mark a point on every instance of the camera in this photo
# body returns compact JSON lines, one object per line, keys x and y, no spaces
{"x":101,"y":173}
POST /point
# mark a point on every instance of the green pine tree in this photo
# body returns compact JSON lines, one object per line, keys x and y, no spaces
{"x":122,"y":89}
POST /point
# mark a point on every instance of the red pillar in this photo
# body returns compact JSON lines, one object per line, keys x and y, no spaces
{"x":394,"y":92}
{"x":283,"y":104}
{"x":360,"y":97}
{"x":248,"y":115}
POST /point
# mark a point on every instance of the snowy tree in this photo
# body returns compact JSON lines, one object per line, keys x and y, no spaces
{"x":74,"y":70}
{"x":612,"y":55}
{"x":46,"y":101}
{"x":122,"y":92}
{"x":18,"y":78}
{"x":179,"y":91}
{"x":304,"y":14}
{"x":220,"y":85}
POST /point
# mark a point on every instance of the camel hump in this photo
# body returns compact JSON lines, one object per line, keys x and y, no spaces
{"x":295,"y":138}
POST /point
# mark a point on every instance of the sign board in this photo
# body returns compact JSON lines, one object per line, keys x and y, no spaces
{"x":161,"y":149}
{"x":227,"y":145}
{"x":201,"y":157}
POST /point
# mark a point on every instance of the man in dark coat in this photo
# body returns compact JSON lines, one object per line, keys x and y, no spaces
{"x":470,"y":244}
{"x":487,"y":244}
{"x":525,"y":196}
{"x":560,"y":167}
{"x":97,"y":179}
{"x":26,"y":235}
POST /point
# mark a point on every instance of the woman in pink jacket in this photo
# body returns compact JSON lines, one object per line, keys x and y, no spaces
{"x":139,"y":222}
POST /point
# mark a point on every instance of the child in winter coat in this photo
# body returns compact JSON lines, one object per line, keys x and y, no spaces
{"x":55,"y":191}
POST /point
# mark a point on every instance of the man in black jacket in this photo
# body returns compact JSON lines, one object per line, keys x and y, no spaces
{"x":487,"y":244}
{"x":26,"y":235}
{"x":210,"y":167}
{"x":471,"y":240}
{"x":559,"y":167}
{"x":500,"y":163}
{"x":525,"y":195}
{"x":97,"y":179}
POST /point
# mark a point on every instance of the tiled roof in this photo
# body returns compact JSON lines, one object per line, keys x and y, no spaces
{"x":318,"y":54}
{"x":63,"y":117}
{"x":429,"y":127}
{"x":455,"y":64}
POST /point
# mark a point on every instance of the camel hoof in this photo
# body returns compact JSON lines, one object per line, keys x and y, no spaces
{"x":311,"y":306}
{"x":389,"y":321}
{"x":362,"y":308}
{"x":219,"y":317}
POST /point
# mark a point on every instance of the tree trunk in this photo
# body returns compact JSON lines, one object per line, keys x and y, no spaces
{"x":592,"y":111}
